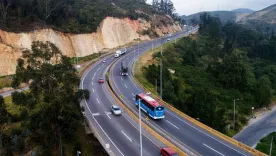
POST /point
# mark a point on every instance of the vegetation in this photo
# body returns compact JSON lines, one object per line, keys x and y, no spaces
{"x":265,"y":143}
{"x":5,"y":81}
{"x":49,"y":112}
{"x":222,"y":64}
{"x":75,"y":16}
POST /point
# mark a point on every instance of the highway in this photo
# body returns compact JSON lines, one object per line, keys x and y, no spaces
{"x":121,"y":132}
{"x":185,"y":132}
{"x":260,"y":128}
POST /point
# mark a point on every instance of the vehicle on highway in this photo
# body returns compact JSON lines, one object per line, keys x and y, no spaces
{"x":150,"y":106}
{"x":168,"y":152}
{"x":168,"y":39}
{"x":120,"y":52}
{"x":116,"y":110}
{"x":124,"y":69}
{"x":101,"y":80}
{"x":104,"y":60}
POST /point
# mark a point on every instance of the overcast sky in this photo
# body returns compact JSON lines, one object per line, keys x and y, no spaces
{"x":187,"y":7}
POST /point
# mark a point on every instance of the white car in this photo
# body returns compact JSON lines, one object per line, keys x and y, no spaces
{"x":104,"y":60}
{"x":116,"y":110}
{"x":168,"y":39}
{"x":117,"y":55}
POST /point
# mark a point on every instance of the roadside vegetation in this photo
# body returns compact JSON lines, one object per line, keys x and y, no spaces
{"x":203,"y":75}
{"x":47,"y":118}
{"x":265,"y":144}
{"x":74,"y":16}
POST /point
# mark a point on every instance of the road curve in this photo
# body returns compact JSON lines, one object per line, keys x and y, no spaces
{"x":120,"y":132}
{"x":173,"y":125}
{"x":253,"y":133}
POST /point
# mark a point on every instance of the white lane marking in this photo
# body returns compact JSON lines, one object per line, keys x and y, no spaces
{"x":126,"y":136}
{"x":121,"y":78}
{"x":108,"y":113}
{"x":95,"y":114}
{"x":213,"y":149}
{"x":93,"y":90}
{"x":96,"y":120}
{"x":97,"y":100}
{"x":93,"y":78}
{"x":95,"y":73}
{"x":172,"y":124}
{"x":205,"y":133}
{"x":125,"y":85}
{"x":92,"y":82}
{"x":99,"y":68}
{"x":133,"y":94}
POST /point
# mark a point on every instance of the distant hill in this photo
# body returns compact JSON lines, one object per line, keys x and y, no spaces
{"x":263,"y":20}
{"x":243,"y":10}
{"x":223,"y":15}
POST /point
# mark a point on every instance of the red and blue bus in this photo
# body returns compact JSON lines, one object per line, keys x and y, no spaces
{"x":150,"y":106}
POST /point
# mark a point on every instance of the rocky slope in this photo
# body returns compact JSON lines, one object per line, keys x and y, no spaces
{"x":267,"y":15}
{"x":111,"y":33}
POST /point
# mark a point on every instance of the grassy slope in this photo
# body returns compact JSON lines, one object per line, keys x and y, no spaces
{"x":145,"y":60}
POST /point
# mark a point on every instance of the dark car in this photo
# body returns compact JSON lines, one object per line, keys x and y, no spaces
{"x":101,"y":80}
{"x":168,"y":152}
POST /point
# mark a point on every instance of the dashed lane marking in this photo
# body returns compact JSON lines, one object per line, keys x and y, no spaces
{"x":172,"y":124}
{"x":213,"y":150}
{"x":126,"y":136}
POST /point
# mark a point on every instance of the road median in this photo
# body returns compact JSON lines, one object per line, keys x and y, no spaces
{"x":203,"y":126}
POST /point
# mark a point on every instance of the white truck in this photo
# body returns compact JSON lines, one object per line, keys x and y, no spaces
{"x":118,"y":53}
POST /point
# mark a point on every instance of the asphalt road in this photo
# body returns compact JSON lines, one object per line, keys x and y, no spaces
{"x":253,"y":133}
{"x":8,"y":93}
{"x":121,"y":132}
{"x":173,"y":125}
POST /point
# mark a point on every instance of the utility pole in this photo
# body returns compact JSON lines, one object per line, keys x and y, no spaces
{"x":234,"y":114}
{"x":140,"y":127}
{"x":156,"y":86}
{"x":270,"y":150}
{"x":161,"y":68}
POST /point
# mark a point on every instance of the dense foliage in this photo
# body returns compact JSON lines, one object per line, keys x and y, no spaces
{"x":265,"y":144}
{"x":222,"y":64}
{"x":67,"y":15}
{"x":51,"y":109}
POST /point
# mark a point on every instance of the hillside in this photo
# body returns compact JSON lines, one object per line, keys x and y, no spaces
{"x":214,"y":67}
{"x":224,"y":16}
{"x":77,"y":16}
{"x":78,"y":28}
{"x":263,"y":20}
{"x":243,"y":10}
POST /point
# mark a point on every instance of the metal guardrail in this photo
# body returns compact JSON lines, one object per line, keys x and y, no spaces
{"x":201,"y":125}
{"x":165,"y":138}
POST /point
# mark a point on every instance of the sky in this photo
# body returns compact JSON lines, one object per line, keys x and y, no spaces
{"x":187,"y":7}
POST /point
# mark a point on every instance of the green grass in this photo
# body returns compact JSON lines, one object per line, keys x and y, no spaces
{"x":5,"y":81}
{"x":264,"y":144}
{"x":12,"y":108}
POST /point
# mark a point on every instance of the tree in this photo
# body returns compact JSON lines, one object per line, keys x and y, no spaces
{"x":47,"y":7}
{"x":3,"y":117}
{"x":164,"y":6}
{"x":53,"y":89}
{"x":263,"y":93}
{"x":4,"y":6}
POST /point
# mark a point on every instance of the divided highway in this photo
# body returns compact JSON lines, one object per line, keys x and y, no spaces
{"x":185,"y":132}
{"x":120,"y":132}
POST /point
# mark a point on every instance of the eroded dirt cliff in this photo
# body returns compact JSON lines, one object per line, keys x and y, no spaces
{"x":111,"y":33}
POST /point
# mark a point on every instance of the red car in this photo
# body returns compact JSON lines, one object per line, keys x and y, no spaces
{"x":101,"y":81}
{"x":168,"y":152}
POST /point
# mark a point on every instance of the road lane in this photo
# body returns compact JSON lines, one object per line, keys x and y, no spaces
{"x":112,"y":126}
{"x":188,"y":129}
